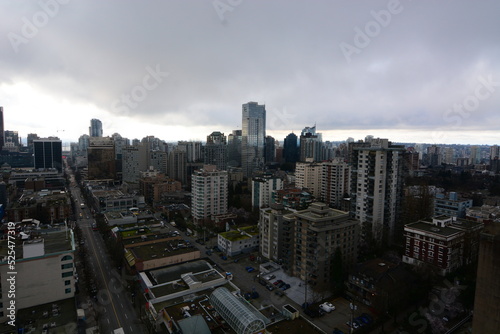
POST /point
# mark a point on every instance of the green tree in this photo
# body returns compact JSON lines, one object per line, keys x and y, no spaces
{"x":337,"y":274}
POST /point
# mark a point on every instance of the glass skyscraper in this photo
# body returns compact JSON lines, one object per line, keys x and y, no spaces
{"x":253,"y":134}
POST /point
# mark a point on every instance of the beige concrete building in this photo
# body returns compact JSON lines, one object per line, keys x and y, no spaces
{"x":311,"y":238}
{"x":44,"y":271}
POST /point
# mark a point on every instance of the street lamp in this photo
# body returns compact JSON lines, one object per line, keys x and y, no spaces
{"x":353,"y":308}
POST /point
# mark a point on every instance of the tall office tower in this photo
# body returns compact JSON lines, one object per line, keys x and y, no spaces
{"x":2,"y":139}
{"x":134,"y":161}
{"x":310,"y":144}
{"x":475,"y":155}
{"x":308,"y":175}
{"x":310,"y":238}
{"x":215,"y":151}
{"x":377,"y":187}
{"x":83,"y":143}
{"x":192,"y":149}
{"x":336,"y":182}
{"x":253,"y":136}
{"x":487,"y":300}
{"x":101,"y":158}
{"x":209,"y":189}
{"x":48,"y":153}
{"x":11,"y":141}
{"x":95,"y":129}
{"x":290,"y":149}
{"x":270,"y":150}
{"x":176,"y":166}
{"x":234,"y":149}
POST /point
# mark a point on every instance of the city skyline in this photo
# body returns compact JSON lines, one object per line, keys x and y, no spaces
{"x":403,"y":70}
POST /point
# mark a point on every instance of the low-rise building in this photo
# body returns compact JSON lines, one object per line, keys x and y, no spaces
{"x":242,"y":240}
{"x":44,"y":268}
{"x":442,"y":243}
{"x":381,"y":284}
{"x":151,"y":251}
{"x":451,"y":206}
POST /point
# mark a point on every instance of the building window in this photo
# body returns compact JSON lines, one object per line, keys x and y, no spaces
{"x":66,"y":266}
{"x":68,"y":290}
{"x":68,"y":282}
{"x":67,"y":274}
{"x":66,"y":258}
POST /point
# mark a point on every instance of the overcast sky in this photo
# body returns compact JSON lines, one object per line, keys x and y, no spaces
{"x":414,"y":71}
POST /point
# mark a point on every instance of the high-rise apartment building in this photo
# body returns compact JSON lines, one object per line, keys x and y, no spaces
{"x":134,"y":161}
{"x":101,"y":158}
{"x":310,"y":144}
{"x":310,"y":238}
{"x":309,"y":176}
{"x":271,"y":231}
{"x":209,"y":189}
{"x":95,"y":129}
{"x":377,"y":186}
{"x":48,"y":153}
{"x":192,"y":149}
{"x":176,"y":166}
{"x":263,"y":188}
{"x":336,"y":182}
{"x":253,"y":136}
{"x":215,"y":151}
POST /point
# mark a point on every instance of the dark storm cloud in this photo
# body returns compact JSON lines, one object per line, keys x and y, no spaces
{"x":413,"y":61}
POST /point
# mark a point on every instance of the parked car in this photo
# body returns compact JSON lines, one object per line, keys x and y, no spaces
{"x":270,"y":277}
{"x":281,"y":284}
{"x":270,"y":287}
{"x":250,"y":269}
{"x":277,"y":282}
{"x":279,"y":293}
{"x":285,"y":287}
{"x":327,"y":307}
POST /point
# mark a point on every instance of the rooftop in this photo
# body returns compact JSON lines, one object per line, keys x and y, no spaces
{"x":162,"y":248}
{"x":428,"y":227}
{"x":54,"y":242}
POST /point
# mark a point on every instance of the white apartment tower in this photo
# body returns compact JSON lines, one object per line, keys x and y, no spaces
{"x":336,"y":182}
{"x":263,"y":188}
{"x":377,"y":186}
{"x":209,"y":193}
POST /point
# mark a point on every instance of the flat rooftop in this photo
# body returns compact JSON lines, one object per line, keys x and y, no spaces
{"x":161,"y":249}
{"x":172,"y":273}
{"x":54,"y":242}
{"x":431,"y":228}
